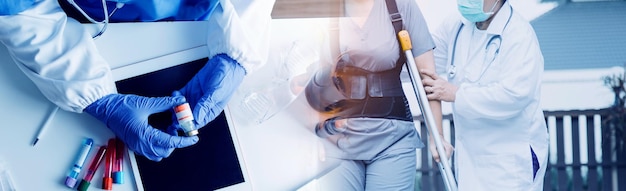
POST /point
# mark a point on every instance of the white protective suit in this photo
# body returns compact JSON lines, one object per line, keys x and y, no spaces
{"x":60,"y":57}
{"x":497,"y":114}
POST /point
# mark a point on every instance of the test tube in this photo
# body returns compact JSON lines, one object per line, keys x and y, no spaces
{"x":107,"y":181}
{"x":185,"y":119}
{"x":118,"y":173}
{"x":72,"y":176}
{"x":93,"y":166}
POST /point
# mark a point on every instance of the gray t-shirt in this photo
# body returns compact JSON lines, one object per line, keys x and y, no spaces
{"x":374,"y":46}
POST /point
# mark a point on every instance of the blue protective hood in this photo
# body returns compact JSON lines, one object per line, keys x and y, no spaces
{"x":151,"y":10}
{"x":12,"y":7}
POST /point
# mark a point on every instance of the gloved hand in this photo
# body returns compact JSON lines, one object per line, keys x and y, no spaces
{"x":210,"y":89}
{"x":127,"y":117}
{"x":13,"y":7}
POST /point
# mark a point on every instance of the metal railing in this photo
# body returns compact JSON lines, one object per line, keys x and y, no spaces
{"x":582,"y":156}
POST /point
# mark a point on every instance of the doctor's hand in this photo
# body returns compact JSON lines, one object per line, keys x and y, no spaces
{"x":433,"y":148}
{"x":127,"y":117}
{"x":437,"y":88}
{"x":210,"y":89}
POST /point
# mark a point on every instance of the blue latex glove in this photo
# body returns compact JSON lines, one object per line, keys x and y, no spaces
{"x":210,"y":89}
{"x":127,"y":117}
{"x":13,"y":7}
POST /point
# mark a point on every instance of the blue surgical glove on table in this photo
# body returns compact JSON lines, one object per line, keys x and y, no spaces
{"x":210,"y":89}
{"x":127,"y":117}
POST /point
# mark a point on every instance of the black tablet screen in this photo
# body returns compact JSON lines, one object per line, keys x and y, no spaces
{"x":210,"y":164}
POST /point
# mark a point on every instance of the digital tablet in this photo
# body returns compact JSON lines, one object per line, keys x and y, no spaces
{"x":214,"y":163}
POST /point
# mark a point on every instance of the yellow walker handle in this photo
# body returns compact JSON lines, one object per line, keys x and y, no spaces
{"x":405,"y":40}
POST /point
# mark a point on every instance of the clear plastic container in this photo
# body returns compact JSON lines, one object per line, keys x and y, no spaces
{"x":278,"y":84}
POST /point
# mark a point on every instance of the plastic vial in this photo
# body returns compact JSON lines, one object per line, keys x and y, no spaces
{"x":185,"y":119}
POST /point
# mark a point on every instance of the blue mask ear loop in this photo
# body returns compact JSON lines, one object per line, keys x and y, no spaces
{"x":492,"y":8}
{"x":452,"y":70}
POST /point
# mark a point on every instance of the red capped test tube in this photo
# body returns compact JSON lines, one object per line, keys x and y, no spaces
{"x":118,"y":173}
{"x":93,"y":166}
{"x":107,"y":181}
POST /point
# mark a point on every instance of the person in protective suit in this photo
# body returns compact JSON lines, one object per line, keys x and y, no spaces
{"x":60,"y":57}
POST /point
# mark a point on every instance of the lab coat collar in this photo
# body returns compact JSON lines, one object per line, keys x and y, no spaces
{"x":496,"y":27}
{"x":465,"y":21}
{"x":499,"y":22}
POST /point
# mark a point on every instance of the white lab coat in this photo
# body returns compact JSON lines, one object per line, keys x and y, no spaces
{"x":60,"y":57}
{"x":497,"y":114}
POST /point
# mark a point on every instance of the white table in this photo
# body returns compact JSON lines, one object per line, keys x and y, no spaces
{"x":45,"y":165}
{"x":281,"y":154}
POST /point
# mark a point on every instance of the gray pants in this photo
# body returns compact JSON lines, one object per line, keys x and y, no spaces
{"x":378,"y":154}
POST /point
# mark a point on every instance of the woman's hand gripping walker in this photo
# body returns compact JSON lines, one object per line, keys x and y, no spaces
{"x":418,"y":88}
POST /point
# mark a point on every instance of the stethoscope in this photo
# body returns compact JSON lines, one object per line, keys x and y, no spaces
{"x":105,"y":21}
{"x":493,"y":45}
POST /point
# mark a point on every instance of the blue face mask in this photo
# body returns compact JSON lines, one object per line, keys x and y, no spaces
{"x":472,"y":10}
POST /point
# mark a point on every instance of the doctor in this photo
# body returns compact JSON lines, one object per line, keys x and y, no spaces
{"x":493,"y":64}
{"x":60,"y":57}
